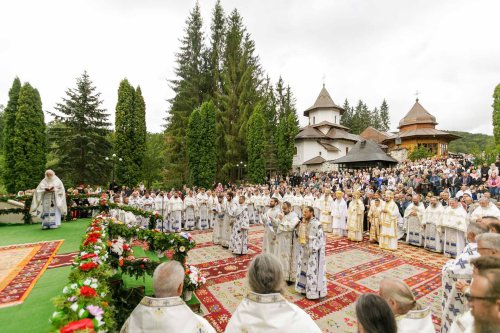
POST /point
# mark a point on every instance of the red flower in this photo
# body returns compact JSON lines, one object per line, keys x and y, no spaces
{"x":89,"y":255}
{"x":86,"y":325}
{"x":88,"y":292}
{"x":88,"y":266}
{"x":141,"y":265}
{"x":120,"y":262}
{"x":125,"y":247}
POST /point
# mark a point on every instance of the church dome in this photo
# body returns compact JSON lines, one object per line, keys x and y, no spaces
{"x":417,"y":115}
{"x":324,"y":101}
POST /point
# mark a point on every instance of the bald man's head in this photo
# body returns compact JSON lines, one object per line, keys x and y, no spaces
{"x":168,"y":279}
{"x":398,"y":295}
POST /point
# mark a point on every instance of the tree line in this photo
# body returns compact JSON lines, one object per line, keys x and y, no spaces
{"x":358,"y":118}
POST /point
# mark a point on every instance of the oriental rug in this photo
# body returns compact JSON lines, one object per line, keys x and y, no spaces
{"x":352,"y":268}
{"x":20,"y":267}
{"x":62,"y":260}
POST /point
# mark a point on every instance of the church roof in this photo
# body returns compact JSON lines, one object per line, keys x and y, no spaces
{"x":310,"y":132}
{"x":417,"y":115}
{"x":336,"y":133}
{"x":324,"y":101}
{"x":314,"y":160}
{"x":328,"y":146}
{"x":430,"y":132}
{"x":365,"y":151}
{"x":327,"y":123}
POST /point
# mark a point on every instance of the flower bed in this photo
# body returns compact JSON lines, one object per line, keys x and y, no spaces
{"x":86,"y":302}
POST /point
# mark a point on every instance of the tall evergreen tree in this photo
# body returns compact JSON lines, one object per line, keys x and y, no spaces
{"x":8,"y":136}
{"x":496,"y":114}
{"x":256,"y":146}
{"x":208,"y":149}
{"x":375,"y":120}
{"x":384,"y":117}
{"x":154,"y":159}
{"x":189,"y":94}
{"x":270,"y":115}
{"x":2,"y":126}
{"x":346,"y":119}
{"x":80,"y":140}
{"x":194,"y":143}
{"x":286,"y":132}
{"x":29,"y":142}
{"x":215,"y":51}
{"x":140,"y":133}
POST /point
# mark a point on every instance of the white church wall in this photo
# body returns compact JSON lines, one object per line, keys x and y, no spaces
{"x":317,"y":116}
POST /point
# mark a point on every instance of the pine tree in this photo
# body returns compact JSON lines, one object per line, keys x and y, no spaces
{"x":194,"y":144}
{"x":154,"y":159}
{"x":346,"y":119}
{"x":8,"y":136}
{"x":127,"y":170}
{"x":496,"y":114}
{"x":139,"y":141}
{"x":215,"y":51}
{"x":80,"y":140}
{"x":375,"y":120}
{"x":384,"y":117}
{"x":189,"y":94}
{"x":29,"y":142}
{"x":286,"y":132}
{"x":208,"y":158}
{"x":256,"y":146}
{"x":269,"y":113}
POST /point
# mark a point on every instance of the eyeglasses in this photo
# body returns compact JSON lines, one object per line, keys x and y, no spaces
{"x":471,"y":298}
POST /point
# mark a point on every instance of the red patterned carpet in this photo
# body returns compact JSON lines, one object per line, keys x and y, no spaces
{"x":21,"y":266}
{"x":352,"y":268}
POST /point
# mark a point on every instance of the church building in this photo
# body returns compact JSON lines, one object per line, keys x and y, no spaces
{"x":324,"y":139}
{"x":416,"y":129}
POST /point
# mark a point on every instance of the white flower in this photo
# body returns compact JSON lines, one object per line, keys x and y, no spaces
{"x":74,"y":286}
{"x":83,"y":253}
{"x":93,"y":285}
{"x":182,"y":249}
{"x":74,"y":307}
{"x":66,"y":290}
{"x":103,"y":294}
{"x":100,"y":322}
{"x":55,"y":314}
{"x":87,"y":282}
{"x":81,"y":312}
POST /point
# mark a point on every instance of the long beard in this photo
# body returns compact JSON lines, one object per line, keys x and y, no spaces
{"x":485,"y":327}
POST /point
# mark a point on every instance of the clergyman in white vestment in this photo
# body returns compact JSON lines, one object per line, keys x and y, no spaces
{"x":166,"y":312}
{"x":264,"y":309}
{"x":49,"y":201}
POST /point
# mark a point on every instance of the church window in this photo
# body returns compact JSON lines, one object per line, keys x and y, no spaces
{"x":319,"y":153}
{"x":346,"y":150}
{"x":335,"y":119}
{"x":295,"y":150}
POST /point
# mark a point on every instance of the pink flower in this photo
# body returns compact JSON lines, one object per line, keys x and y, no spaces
{"x":96,"y":311}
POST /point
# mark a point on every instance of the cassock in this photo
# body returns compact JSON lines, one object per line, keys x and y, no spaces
{"x":49,"y":205}
{"x":211,"y":206}
{"x":161,"y":206}
{"x":170,"y":314}
{"x":413,"y":224}
{"x":355,"y":220}
{"x":175,"y":207}
{"x":416,"y":321}
{"x":271,"y":222}
{"x":250,"y":201}
{"x":455,"y":228}
{"x":239,"y":234}
{"x":287,"y":244}
{"x":189,"y":213}
{"x":389,"y":219}
{"x":454,"y":301}
{"x":463,"y":324}
{"x":226,"y":223}
{"x":374,"y":221}
{"x":270,"y":313}
{"x":481,"y":212}
{"x":297,"y":204}
{"x":219,"y":219}
{"x":202,"y":204}
{"x":432,"y":224}
{"x":259,"y":205}
{"x":311,"y":266}
{"x":324,"y":205}
{"x":339,"y":217}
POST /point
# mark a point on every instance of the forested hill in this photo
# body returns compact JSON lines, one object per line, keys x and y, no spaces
{"x":470,"y":142}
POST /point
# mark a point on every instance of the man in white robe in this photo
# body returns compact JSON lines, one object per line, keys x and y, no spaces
{"x":250,"y":202}
{"x":485,"y":208}
{"x":287,"y":241}
{"x":161,"y":206}
{"x":458,"y":270}
{"x":311,"y":265}
{"x":49,"y":201}
{"x":166,"y":312}
{"x":324,"y":205}
{"x":389,"y":220}
{"x":271,"y":222}
{"x":374,"y":213}
{"x":413,"y":216}
{"x":454,"y":223}
{"x":259,"y":205}
{"x":202,"y":205}
{"x":226,"y":225}
{"x":264,"y":309}
{"x":239,"y":234}
{"x":432,"y":226}
{"x":410,"y":316}
{"x":339,"y":215}
{"x":355,"y":218}
{"x":175,"y":207}
{"x":297,"y":203}
{"x":288,"y":196}
{"x":308,"y":199}
{"x":218,"y":211}
{"x":190,"y":208}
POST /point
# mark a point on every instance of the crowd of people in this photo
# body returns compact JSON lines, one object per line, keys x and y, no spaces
{"x":446,"y":206}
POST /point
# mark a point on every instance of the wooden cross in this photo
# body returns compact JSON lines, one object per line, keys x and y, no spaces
{"x":324,"y":77}
{"x":416,"y":94}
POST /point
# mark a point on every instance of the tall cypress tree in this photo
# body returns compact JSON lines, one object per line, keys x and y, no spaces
{"x":9,"y":174}
{"x":256,"y":146}
{"x":208,"y":152}
{"x":189,"y":94}
{"x":29,"y":142}
{"x":286,"y":132}
{"x":139,"y":141}
{"x":384,"y":117}
{"x":496,"y":114}
{"x":127,"y":170}
{"x":194,"y":144}
{"x":80,"y":139}
{"x":270,"y":115}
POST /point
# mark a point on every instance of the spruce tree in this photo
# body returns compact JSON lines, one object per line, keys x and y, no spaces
{"x":286,"y":132}
{"x":215,"y":51}
{"x":29,"y":141}
{"x":208,"y":149}
{"x":139,"y":141}
{"x":346,"y":119}
{"x":256,"y":146}
{"x":375,"y":120}
{"x":269,"y":113}
{"x":188,"y":87}
{"x":194,"y":144}
{"x":496,"y":114}
{"x":9,"y":173}
{"x":80,"y":139}
{"x":384,"y":117}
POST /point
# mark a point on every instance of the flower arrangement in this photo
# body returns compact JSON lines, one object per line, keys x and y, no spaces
{"x":193,"y":278}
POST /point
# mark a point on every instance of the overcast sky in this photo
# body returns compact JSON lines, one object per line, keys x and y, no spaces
{"x":369,"y":50}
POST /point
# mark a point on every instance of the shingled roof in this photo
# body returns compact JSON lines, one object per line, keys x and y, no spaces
{"x":417,"y":115}
{"x":324,"y":101}
{"x":365,"y":151}
{"x":315,"y":160}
